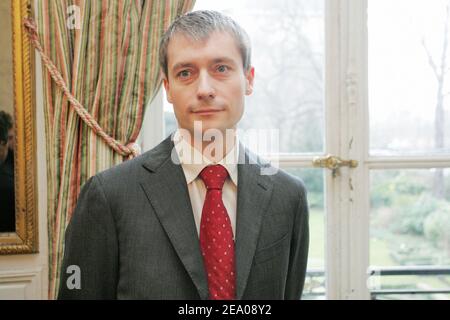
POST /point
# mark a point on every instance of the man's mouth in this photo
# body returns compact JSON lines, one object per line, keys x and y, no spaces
{"x":206,"y":111}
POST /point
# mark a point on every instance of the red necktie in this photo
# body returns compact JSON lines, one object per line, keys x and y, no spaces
{"x":216,"y":236}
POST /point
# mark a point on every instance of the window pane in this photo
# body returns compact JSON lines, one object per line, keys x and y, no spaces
{"x":288,"y":52}
{"x":409,"y":227}
{"x":409,"y":76}
{"x":315,"y":279}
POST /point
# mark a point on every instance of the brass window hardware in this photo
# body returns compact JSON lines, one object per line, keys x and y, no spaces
{"x":333,"y":163}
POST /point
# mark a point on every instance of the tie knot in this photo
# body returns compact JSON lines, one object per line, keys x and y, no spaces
{"x":214,"y":176}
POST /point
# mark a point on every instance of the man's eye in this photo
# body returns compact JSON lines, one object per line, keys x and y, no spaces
{"x":184,"y":74}
{"x":222,"y":68}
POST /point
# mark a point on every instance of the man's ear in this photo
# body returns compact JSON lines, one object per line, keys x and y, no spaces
{"x":249,"y":78}
{"x":167,"y":87}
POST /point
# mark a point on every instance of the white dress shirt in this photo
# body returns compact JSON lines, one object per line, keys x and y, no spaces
{"x":196,"y":187}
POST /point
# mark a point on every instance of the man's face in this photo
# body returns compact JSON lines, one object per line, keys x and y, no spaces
{"x":206,"y":81}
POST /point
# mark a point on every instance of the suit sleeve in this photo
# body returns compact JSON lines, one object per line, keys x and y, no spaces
{"x":91,"y":250}
{"x":299,"y":250}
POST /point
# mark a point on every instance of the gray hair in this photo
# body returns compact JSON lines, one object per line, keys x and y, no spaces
{"x":198,"y":25}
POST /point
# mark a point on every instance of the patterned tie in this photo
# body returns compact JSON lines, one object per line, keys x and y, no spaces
{"x":216,"y":236}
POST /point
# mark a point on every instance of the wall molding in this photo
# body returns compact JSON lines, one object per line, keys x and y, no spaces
{"x":25,"y":284}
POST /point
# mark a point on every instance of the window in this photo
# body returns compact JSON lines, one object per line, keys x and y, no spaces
{"x":408,"y":60}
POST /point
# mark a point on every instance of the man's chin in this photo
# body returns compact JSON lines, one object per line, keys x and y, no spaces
{"x":208,"y":125}
{"x":210,"y":129}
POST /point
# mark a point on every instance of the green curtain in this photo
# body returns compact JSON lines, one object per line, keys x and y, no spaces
{"x":110,"y":64}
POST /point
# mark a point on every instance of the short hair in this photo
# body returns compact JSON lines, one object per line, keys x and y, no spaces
{"x":198,"y":25}
{"x":6,"y":124}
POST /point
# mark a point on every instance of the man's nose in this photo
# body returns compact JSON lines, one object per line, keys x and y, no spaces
{"x":205,"y":90}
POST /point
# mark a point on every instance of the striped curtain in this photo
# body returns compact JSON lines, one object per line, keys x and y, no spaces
{"x":107,"y":53}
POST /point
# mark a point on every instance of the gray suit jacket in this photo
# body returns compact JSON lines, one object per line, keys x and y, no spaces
{"x":133,"y":233}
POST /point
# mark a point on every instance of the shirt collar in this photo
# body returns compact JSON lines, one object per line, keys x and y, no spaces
{"x":193,"y":162}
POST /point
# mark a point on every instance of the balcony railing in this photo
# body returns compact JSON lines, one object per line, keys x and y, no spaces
{"x":315,"y":281}
{"x":409,"y":271}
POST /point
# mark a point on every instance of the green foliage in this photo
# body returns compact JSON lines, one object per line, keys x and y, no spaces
{"x":315,"y":200}
{"x":437,"y":225}
{"x":313,"y":180}
{"x":410,"y":251}
{"x":406,"y":185}
{"x":396,"y":189}
{"x":413,"y":223}
{"x":409,"y":219}
{"x":382,"y":195}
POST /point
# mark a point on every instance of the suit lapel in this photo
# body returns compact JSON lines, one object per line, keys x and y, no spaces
{"x":254,"y":193}
{"x":167,"y":192}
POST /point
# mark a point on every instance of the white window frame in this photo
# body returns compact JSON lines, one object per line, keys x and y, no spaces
{"x":348,"y":136}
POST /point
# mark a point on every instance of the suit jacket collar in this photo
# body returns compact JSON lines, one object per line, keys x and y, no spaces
{"x":166,"y":189}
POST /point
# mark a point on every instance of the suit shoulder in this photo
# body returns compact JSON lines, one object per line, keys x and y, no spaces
{"x":132,"y":169}
{"x":122,"y":170}
{"x":288,"y":180}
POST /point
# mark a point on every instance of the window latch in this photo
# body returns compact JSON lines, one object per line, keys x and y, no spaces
{"x":333,"y":163}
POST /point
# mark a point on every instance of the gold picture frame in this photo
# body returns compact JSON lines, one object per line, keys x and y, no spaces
{"x":25,"y":238}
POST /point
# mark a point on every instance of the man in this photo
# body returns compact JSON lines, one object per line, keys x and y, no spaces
{"x":165,"y":226}
{"x":7,"y":199}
